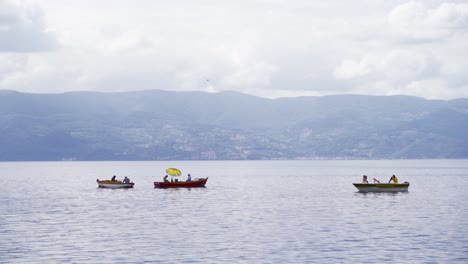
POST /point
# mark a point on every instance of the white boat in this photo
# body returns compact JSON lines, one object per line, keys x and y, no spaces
{"x":382,"y":187}
{"x":114,"y":184}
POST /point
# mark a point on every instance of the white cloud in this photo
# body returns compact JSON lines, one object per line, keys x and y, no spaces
{"x":406,"y":65}
{"x":22,"y":29}
{"x":420,"y":54}
{"x":352,"y":69}
{"x":397,"y":65}
{"x":416,"y":21}
{"x":261,"y":47}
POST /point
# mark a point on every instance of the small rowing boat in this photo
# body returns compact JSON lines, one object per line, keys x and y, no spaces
{"x":181,"y":184}
{"x":114,"y":184}
{"x":382,"y":187}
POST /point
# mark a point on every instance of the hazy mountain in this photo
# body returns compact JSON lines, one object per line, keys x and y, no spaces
{"x":161,"y":125}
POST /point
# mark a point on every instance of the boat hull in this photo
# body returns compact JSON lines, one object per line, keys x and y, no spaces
{"x":382,"y":187}
{"x":114,"y":184}
{"x":181,"y":184}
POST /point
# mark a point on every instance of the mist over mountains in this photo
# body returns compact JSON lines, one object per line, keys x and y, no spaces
{"x":163,"y":125}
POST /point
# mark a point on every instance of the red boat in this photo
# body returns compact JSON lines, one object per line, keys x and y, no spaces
{"x":181,"y":184}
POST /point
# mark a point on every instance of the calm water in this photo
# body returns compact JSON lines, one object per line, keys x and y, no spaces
{"x":250,"y":212}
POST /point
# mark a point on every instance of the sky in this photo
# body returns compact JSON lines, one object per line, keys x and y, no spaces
{"x":266,"y":48}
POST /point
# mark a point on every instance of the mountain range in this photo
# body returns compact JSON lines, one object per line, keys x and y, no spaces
{"x":164,"y":125}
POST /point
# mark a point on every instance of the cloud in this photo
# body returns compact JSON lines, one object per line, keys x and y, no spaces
{"x":352,"y":69}
{"x":418,"y":53}
{"x":10,"y":64}
{"x":23,"y":30}
{"x":260,"y":47}
{"x":415,"y":21}
{"x":396,"y":65}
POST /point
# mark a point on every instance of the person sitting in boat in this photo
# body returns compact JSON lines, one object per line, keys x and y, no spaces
{"x":189,"y":178}
{"x":165,"y":178}
{"x":376,"y":181}
{"x":394,"y":179}
{"x":364,"y":179}
{"x":113,"y":178}
{"x":126,"y":180}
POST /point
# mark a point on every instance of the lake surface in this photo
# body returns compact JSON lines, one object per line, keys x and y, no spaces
{"x":249,"y":212}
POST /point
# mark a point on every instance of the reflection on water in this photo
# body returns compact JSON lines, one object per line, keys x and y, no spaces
{"x":377,"y":194}
{"x":250,"y":212}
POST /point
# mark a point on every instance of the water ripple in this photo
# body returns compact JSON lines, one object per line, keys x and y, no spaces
{"x":250,"y":212}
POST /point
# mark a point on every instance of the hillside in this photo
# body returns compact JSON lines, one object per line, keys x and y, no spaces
{"x":162,"y":125}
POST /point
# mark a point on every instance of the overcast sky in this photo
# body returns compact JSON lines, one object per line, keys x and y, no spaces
{"x":267,"y":48}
